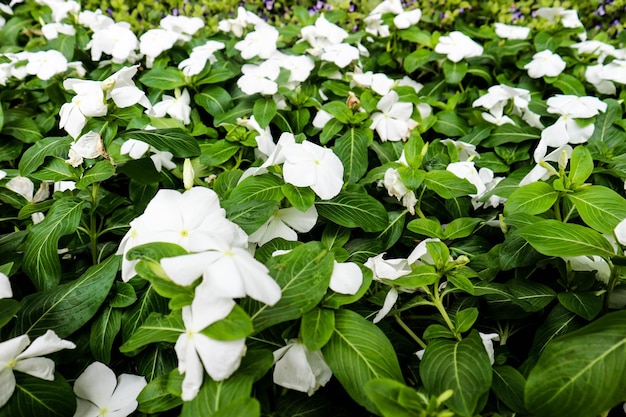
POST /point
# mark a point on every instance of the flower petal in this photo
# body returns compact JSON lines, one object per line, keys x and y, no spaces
{"x":346,"y":278}
{"x":48,"y":343}
{"x":96,"y":384}
{"x":220,"y":358}
{"x":390,"y":301}
{"x":7,"y":385}
{"x":38,"y":367}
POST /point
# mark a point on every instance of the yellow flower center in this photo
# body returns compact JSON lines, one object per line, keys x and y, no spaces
{"x":184,"y":233}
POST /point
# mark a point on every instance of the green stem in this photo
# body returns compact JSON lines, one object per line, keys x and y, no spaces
{"x":410,"y":332}
{"x":93,"y":232}
{"x":557,"y":209}
{"x":418,"y":206}
{"x":438,"y":303}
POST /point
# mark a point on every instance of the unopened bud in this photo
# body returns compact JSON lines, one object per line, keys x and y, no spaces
{"x":188,"y":174}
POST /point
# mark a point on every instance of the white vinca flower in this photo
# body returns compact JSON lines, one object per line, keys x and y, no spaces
{"x":177,"y":107}
{"x":458,"y":46}
{"x":89,"y":101}
{"x":396,"y":188}
{"x":197,"y":352}
{"x":620,"y":232}
{"x":88,"y":146}
{"x":117,"y":40}
{"x":545,"y":64}
{"x":237,"y":25}
{"x":483,"y":179}
{"x":346,"y":278}
{"x":100,"y":394}
{"x":17,"y":355}
{"x":511,"y":31}
{"x":5,"y":287}
{"x":310,"y":165}
{"x":46,"y":64}
{"x":393,"y":122}
{"x":259,"y":78}
{"x":298,"y":368}
{"x":389,"y":269}
{"x":284,"y":223}
{"x":122,"y":89}
{"x":199,"y":57}
{"x":261,"y":42}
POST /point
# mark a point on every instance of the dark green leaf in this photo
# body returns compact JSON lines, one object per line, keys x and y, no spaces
{"x":214,"y":100}
{"x":351,"y":148}
{"x":163,"y":79}
{"x":156,"y":328}
{"x":34,"y":156}
{"x":103,"y":332}
{"x":448,"y":185}
{"x":99,"y":172}
{"x":317,"y":327}
{"x":352,"y":209}
{"x":586,"y":304}
{"x":38,"y":397}
{"x":176,"y":141}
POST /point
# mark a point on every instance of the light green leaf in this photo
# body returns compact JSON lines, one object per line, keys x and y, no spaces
{"x":554,"y":238}
{"x":163,"y":79}
{"x":317,"y":327}
{"x":258,"y":187}
{"x":24,"y":129}
{"x":34,"y":156}
{"x":450,"y":124}
{"x":99,"y":172}
{"x":236,"y":325}
{"x":351,"y":148}
{"x":264,"y":111}
{"x":448,"y":185}
{"x":301,"y":198}
{"x":461,"y":227}
{"x":217,"y":153}
{"x":580,"y":374}
{"x":581,"y":166}
{"x":69,"y":306}
{"x":303,"y":275}
{"x":587,"y":304}
{"x":358,"y":352}
{"x":38,"y":397}
{"x":454,"y":71}
{"x":56,"y":169}
{"x":339,"y":110}
{"x":465,"y":319}
{"x":420,"y":276}
{"x":155,"y":397}
{"x":176,"y":141}
{"x":534,"y":198}
{"x":214,"y":100}
{"x":352,"y":209}
{"x":462,"y":366}
{"x":41,"y":259}
{"x":104,"y":330}
{"x":600,"y":207}
{"x":156,"y":328}
{"x":426,"y":227}
{"x":393,"y":398}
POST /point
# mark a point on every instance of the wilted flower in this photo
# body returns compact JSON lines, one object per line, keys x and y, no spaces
{"x":298,"y":368}
{"x":88,"y":146}
{"x":100,"y":393}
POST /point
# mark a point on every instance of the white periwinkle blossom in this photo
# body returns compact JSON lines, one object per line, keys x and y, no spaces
{"x":100,"y":394}
{"x":346,"y":278}
{"x":396,"y":188}
{"x":298,"y":368}
{"x":17,"y":355}
{"x":458,"y":46}
{"x":482,"y":179}
{"x":620,"y":232}
{"x":114,"y":39}
{"x":511,"y":31}
{"x":177,"y":107}
{"x":5,"y":287}
{"x":88,"y":146}
{"x":46,"y":64}
{"x":261,"y":42}
{"x":197,"y":352}
{"x":259,"y":78}
{"x":284,"y":223}
{"x":238,"y":24}
{"x":545,"y":64}
{"x":388,"y":269}
{"x":393,"y":122}
{"x":199,"y":57}
{"x":498,"y":96}
{"x":136,"y":149}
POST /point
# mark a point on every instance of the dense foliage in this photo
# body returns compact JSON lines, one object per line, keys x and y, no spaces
{"x":338,"y":214}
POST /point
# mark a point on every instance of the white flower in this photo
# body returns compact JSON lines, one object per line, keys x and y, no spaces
{"x":321,"y":118}
{"x":615,"y":71}
{"x":464,"y":149}
{"x":5,"y":287}
{"x":496,"y":116}
{"x":380,"y":83}
{"x":458,"y":46}
{"x":197,"y":352}
{"x":396,"y":188}
{"x":52,"y":30}
{"x":310,"y":165}
{"x":346,"y":278}
{"x":620,"y":232}
{"x":177,"y":107}
{"x":575,"y":106}
{"x":153,"y":42}
{"x":265,"y":142}
{"x":539,"y":171}
{"x":16,"y":354}
{"x":511,"y":31}
{"x":88,"y":146}
{"x":482,"y":179}
{"x":89,"y":101}
{"x":199,"y":56}
{"x":595,"y":74}
{"x":283,"y":223}
{"x":590,"y":263}
{"x":122,"y":89}
{"x":46,"y":64}
{"x":569,"y":18}
{"x":488,"y":340}
{"x":261,"y":42}
{"x":228,"y":272}
{"x":300,"y":369}
{"x":134,"y":148}
{"x":243,"y":19}
{"x":116,"y":40}
{"x":182,"y":26}
{"x":25,"y":187}
{"x":299,"y":66}
{"x":94,"y":20}
{"x":100,"y":393}
{"x":193,"y":220}
{"x":393,"y":122}
{"x":340,"y":54}
{"x":321,"y":35}
{"x":406,"y":19}
{"x":374,"y":25}
{"x":387,"y":269}
{"x":545,"y":63}
{"x":259,"y":78}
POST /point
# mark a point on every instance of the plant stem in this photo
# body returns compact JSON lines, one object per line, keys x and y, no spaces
{"x":437,"y":302}
{"x":93,"y":232}
{"x":410,"y":332}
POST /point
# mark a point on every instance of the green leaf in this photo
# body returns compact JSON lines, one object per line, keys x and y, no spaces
{"x":38,"y":397}
{"x":99,"y":172}
{"x":24,"y":129}
{"x":155,"y":251}
{"x":351,"y":149}
{"x":600,"y":207}
{"x":426,"y":227}
{"x":516,"y":252}
{"x":358,"y":352}
{"x":339,"y":110}
{"x":581,"y":166}
{"x":580,"y":374}
{"x":303,"y":275}
{"x":236,"y":325}
{"x":56,"y":169}
{"x":417,"y":59}
{"x":420,"y":276}
{"x":351,"y":209}
{"x":214,"y":100}
{"x":393,"y":399}
{"x":156,"y":328}
{"x":534,"y":198}
{"x":163,"y":79}
{"x":264,"y":111}
{"x":34,"y":156}
{"x":174,"y":140}
{"x":317,"y":327}
{"x":454,"y":71}
{"x":301,"y":198}
{"x":534,"y":294}
{"x":41,"y":259}
{"x":448,"y":185}
{"x":450,"y":124}
{"x":465,"y":319}
{"x":508,"y":385}
{"x":124,"y":295}
{"x":149,"y":302}
{"x":249,"y":215}
{"x":155,"y":397}
{"x":8,"y":309}
{"x":220,"y":71}
{"x":104,"y":330}
{"x":509,"y":133}
{"x":559,"y":322}
{"x":586,"y":304}
{"x":554,"y":238}
{"x":462,"y":366}
{"x":258,"y":187}
{"x":330,"y":129}
{"x":216,"y":396}
{"x":69,"y":306}
{"x":217,"y":153}
{"x":569,"y":84}
{"x":460,"y":228}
